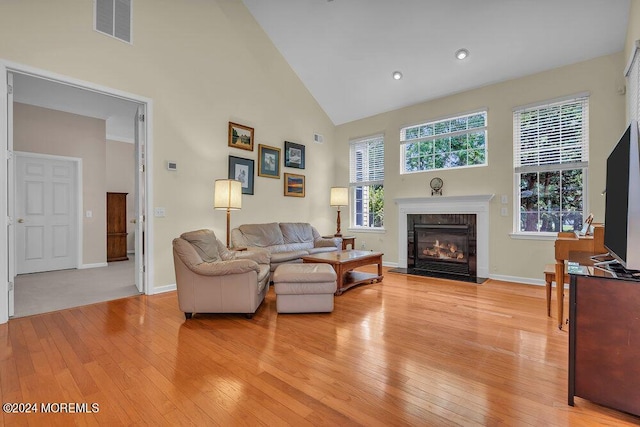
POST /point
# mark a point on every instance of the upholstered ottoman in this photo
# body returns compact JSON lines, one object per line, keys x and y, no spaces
{"x":304,"y":288}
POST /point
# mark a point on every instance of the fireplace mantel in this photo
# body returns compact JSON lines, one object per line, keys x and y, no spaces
{"x":475,"y":204}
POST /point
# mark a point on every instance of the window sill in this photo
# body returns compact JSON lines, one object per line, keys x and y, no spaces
{"x":367,"y":230}
{"x":533,"y":236}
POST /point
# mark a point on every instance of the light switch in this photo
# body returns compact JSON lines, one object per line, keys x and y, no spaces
{"x":159,"y":212}
{"x":89,"y":214}
{"x":504,"y":199}
{"x":504,"y":211}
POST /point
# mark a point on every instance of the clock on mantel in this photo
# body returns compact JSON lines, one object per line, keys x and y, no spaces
{"x":436,"y":186}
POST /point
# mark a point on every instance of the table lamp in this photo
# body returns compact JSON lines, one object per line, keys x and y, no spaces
{"x":339,"y":198}
{"x":227,"y":194}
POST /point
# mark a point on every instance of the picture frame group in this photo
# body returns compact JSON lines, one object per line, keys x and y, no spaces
{"x":269,"y":162}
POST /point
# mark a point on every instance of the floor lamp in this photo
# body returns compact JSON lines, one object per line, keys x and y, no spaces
{"x":227,"y":194}
{"x":339,"y":197}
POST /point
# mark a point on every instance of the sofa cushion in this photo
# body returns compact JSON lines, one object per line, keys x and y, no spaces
{"x":296,"y":232}
{"x":277,"y":257}
{"x":262,"y":235}
{"x":204,"y":241}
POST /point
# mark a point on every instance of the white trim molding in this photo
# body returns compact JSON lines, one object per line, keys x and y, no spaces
{"x":476,"y":204}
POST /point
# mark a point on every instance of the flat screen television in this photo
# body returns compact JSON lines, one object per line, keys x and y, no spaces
{"x":622,"y":205}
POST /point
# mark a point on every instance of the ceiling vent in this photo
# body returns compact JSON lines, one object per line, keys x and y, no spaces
{"x":113,"y":17}
{"x":317,"y":138}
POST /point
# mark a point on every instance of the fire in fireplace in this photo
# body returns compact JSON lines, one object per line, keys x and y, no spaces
{"x":443,"y":248}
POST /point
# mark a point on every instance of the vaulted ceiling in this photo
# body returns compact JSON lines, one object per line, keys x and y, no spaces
{"x":345,"y":51}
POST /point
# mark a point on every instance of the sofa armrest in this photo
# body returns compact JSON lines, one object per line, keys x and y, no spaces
{"x":327,"y":242}
{"x":224,"y":268}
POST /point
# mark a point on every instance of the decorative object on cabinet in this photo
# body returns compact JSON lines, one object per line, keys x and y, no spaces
{"x":117,"y":227}
{"x":293,"y":185}
{"x":240,"y":136}
{"x":241,"y":170}
{"x":293,"y":155}
{"x":339,"y":198}
{"x":268,"y":161}
{"x":227,"y":194}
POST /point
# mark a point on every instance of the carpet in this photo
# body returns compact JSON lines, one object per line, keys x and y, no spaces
{"x":37,"y":293}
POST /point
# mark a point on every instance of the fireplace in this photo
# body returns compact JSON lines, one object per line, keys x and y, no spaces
{"x":446,"y":210}
{"x":442,"y":244}
{"x":442,"y":248}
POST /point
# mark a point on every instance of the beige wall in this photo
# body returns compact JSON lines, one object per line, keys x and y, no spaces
{"x":633,"y":28}
{"x":509,"y":258}
{"x":203,"y":63}
{"x":40,"y":130}
{"x":120,"y":166}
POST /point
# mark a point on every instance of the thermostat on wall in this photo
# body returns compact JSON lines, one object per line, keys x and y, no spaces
{"x":172,"y":166}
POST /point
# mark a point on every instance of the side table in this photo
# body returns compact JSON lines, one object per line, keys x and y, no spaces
{"x":346,"y":240}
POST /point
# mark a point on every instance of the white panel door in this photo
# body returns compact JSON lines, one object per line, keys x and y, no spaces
{"x":46,"y":212}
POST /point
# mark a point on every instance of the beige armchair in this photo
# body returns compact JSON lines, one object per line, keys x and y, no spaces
{"x":212,"y":279}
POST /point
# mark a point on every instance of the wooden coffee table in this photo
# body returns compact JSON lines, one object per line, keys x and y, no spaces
{"x":345,"y":261}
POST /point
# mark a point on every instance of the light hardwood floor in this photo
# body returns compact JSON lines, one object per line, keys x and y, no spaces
{"x":407,"y":351}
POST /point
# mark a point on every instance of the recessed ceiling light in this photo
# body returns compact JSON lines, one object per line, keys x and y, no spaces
{"x":462,"y":53}
{"x":397,"y":75}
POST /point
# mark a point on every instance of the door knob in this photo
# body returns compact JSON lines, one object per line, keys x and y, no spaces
{"x":20,"y":220}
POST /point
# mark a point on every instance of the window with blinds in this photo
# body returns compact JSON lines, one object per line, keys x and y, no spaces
{"x":551,"y":157}
{"x":452,"y":142}
{"x":366,"y":181}
{"x":113,"y":17}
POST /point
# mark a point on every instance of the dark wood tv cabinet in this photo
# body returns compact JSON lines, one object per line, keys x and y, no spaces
{"x":604,"y":341}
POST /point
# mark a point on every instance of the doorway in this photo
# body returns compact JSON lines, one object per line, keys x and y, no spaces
{"x":82,"y":94}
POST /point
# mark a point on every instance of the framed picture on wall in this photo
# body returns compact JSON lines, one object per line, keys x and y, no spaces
{"x":293,"y":185}
{"x":242,"y":170}
{"x":268,"y":161}
{"x":293,"y":155}
{"x":240,"y":136}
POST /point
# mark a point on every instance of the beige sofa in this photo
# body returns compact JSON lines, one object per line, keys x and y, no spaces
{"x":212,"y":279}
{"x":286,"y":241}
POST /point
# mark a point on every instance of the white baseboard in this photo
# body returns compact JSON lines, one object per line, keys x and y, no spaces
{"x":163,"y":289}
{"x":523,"y":280}
{"x":95,"y":265}
{"x":390,"y":264}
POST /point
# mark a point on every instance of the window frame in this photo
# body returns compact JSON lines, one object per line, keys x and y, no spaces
{"x":404,"y":141}
{"x":357,"y":178}
{"x":519,"y":169}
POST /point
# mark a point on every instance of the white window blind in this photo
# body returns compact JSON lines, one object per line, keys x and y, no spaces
{"x":367,"y":161}
{"x":113,"y":17}
{"x":550,"y":137}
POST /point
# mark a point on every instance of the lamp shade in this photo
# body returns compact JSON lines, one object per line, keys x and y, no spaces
{"x":227,"y":194}
{"x":339,"y":196}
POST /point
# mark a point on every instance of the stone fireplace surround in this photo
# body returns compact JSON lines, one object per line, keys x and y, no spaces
{"x":478,"y":205}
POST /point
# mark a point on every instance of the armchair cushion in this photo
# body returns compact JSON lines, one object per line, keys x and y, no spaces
{"x":205,"y":243}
